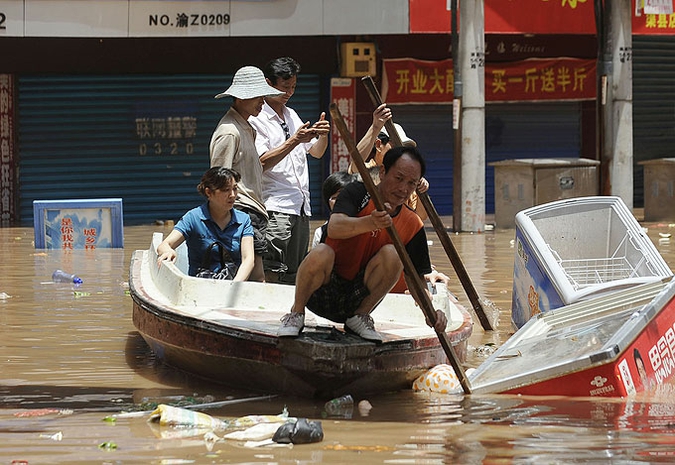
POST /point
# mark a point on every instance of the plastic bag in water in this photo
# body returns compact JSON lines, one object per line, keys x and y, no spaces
{"x":300,"y":432}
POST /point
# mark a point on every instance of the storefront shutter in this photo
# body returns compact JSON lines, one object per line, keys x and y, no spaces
{"x":142,"y":138}
{"x":653,"y":103}
{"x":512,"y":130}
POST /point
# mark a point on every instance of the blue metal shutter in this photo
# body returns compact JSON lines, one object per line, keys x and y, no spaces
{"x":512,"y":130}
{"x":124,"y":136}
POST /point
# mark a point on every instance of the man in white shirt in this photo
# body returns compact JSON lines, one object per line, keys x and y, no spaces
{"x":283,"y":141}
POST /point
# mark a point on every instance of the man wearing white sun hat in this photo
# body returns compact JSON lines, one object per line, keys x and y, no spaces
{"x":233,"y":146}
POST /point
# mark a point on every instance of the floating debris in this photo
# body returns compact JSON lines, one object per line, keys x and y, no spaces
{"x":54,"y":437}
{"x":37,"y":413}
{"x":441,"y":379}
{"x":210,"y":439}
{"x":364,"y":408}
{"x":486,"y":350}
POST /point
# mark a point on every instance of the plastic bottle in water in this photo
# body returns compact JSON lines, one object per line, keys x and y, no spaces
{"x":340,"y":406}
{"x":60,"y":276}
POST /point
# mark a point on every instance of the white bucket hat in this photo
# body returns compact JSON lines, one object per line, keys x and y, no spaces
{"x":405,"y":140}
{"x":249,"y":82}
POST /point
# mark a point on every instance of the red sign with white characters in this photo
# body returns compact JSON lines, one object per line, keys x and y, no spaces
{"x":343,"y":94}
{"x":406,"y":80}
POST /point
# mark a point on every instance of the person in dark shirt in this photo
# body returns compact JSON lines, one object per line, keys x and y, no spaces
{"x":345,"y":278}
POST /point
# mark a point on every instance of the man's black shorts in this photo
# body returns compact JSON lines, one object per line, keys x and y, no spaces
{"x":339,"y":298}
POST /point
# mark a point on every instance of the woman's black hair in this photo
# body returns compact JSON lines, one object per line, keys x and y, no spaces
{"x":217,"y":177}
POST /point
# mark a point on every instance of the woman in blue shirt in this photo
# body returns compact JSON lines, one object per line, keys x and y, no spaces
{"x":215,"y":220}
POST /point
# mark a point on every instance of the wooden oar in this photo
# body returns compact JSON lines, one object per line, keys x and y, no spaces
{"x":456,"y":261}
{"x":436,"y":221}
{"x":418,"y":288}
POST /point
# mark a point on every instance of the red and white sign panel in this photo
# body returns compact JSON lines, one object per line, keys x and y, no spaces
{"x":406,"y":80}
{"x":343,"y":94}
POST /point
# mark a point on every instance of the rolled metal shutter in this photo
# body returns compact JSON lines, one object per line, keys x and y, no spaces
{"x":512,"y":130}
{"x":142,"y":138}
{"x":653,"y":103}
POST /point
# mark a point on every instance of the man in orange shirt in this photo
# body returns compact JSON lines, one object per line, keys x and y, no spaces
{"x":344,"y":279}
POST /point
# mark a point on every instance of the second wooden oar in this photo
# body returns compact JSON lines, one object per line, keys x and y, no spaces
{"x":456,"y":261}
{"x":418,"y":288}
{"x":436,"y":222}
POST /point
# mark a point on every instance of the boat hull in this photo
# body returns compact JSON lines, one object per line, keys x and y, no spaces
{"x":239,"y":347}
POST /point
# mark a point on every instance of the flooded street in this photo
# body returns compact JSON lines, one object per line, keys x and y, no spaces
{"x":74,"y":353}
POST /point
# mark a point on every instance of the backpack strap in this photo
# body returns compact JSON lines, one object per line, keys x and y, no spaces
{"x":206,"y":259}
{"x":225,"y":255}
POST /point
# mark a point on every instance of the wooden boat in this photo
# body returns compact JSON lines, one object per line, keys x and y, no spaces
{"x":226,"y":331}
{"x":615,"y":345}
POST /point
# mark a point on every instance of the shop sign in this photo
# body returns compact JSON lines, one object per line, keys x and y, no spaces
{"x":343,"y":94}
{"x":406,"y":80}
{"x":651,"y":24}
{"x":78,"y":224}
{"x":165,"y":129}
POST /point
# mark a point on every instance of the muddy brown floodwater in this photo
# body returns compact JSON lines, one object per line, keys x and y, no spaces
{"x":70,"y":357}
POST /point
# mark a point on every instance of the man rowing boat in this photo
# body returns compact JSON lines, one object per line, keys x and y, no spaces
{"x":344,"y":279}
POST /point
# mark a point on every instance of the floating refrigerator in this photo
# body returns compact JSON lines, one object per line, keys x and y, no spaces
{"x":574,"y":249}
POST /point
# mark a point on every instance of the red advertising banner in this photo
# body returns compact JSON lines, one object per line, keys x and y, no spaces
{"x":540,"y":16}
{"x":532,"y":17}
{"x":343,"y":94}
{"x":511,"y":16}
{"x":406,"y":80}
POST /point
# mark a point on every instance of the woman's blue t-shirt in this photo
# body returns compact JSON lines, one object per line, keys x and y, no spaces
{"x":200,"y":231}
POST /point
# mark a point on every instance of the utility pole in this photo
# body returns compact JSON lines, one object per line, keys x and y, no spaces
{"x":472,"y":61}
{"x":456,"y":121}
{"x":615,"y":99}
